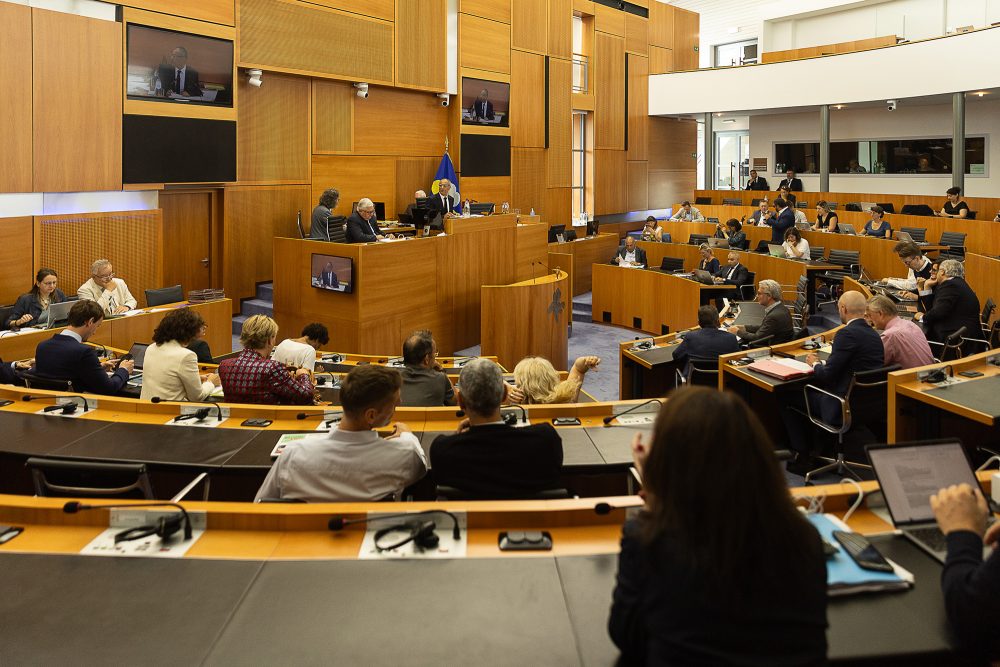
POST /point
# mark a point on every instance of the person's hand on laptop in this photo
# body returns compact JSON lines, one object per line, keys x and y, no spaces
{"x":960,"y":507}
{"x":128,"y":365}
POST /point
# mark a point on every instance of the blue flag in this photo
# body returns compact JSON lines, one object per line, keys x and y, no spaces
{"x":446,"y":170}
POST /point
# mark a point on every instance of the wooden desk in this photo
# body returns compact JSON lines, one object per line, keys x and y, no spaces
{"x":121,"y":332}
{"x":586,"y":252}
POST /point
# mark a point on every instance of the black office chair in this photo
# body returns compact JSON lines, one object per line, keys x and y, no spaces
{"x":158,"y":297}
{"x":970,"y":215}
{"x":748,"y":290}
{"x":916,"y":209}
{"x":956,"y":246}
{"x":672,"y":264}
{"x":338,"y":233}
{"x":298,"y":224}
{"x":800,"y":317}
{"x":443,"y":492}
{"x":850,"y":263}
{"x":701,"y":372}
{"x":887,"y":207}
{"x":732,"y":202}
{"x":832,"y":205}
{"x":918,"y":234}
{"x":816,"y":252}
{"x":801,"y":204}
{"x":864,"y":404}
{"x":32,"y":381}
{"x":5,"y":312}
{"x":757,"y":201}
{"x":89,"y":479}
{"x":952,"y":348}
{"x":703,"y":201}
{"x":697,"y":239}
{"x":853,"y":206}
{"x":762,"y":246}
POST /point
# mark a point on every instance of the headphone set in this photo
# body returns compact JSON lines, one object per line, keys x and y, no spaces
{"x":422,"y":533}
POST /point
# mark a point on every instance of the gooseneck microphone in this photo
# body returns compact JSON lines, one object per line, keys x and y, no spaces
{"x":197,"y":415}
{"x":338,"y":522}
{"x":610,"y":418}
{"x":67,"y":408}
{"x":524,"y":414}
{"x":164,"y":527}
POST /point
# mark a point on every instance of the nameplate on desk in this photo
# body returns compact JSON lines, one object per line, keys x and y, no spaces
{"x":448,"y":546}
{"x":147,"y":547}
{"x":210,"y":420}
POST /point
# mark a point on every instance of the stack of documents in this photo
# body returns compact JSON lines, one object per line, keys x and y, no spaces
{"x":783,"y":369}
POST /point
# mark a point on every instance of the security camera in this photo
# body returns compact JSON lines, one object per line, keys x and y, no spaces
{"x":890,"y":105}
{"x":362,"y":90}
{"x":254,"y":77}
{"x":445,"y":100}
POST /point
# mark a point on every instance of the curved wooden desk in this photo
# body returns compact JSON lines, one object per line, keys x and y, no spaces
{"x":529,"y":318}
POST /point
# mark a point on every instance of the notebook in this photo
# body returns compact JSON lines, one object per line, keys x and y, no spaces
{"x":783,"y":369}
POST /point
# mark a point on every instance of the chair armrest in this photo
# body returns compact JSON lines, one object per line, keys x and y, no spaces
{"x":818,"y":390}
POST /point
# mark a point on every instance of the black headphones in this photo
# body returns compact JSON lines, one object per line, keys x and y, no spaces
{"x":62,"y":408}
{"x":421,"y":533}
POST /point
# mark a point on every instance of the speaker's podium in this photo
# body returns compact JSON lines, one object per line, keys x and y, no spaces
{"x":530,"y":317}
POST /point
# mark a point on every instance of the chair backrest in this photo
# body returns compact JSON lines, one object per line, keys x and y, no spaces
{"x":298,"y":224}
{"x":158,"y":297}
{"x":816,"y":252}
{"x":703,"y":201}
{"x":844,"y":258}
{"x":988,"y":309}
{"x":853,"y":206}
{"x":5,"y":312}
{"x":916,"y":209}
{"x":832,"y":205}
{"x":954,"y":240}
{"x":801,"y":204}
{"x":755,"y":202}
{"x":672,"y":264}
{"x":89,"y":479}
{"x":762,"y":245}
{"x":732,"y":202}
{"x":703,"y":372}
{"x":452,"y":493}
{"x":32,"y":381}
{"x":338,"y":234}
{"x":887,"y":207}
{"x":918,"y":234}
{"x":868,"y":395}
{"x":970,"y":215}
{"x":802,"y":286}
{"x":698,"y":239}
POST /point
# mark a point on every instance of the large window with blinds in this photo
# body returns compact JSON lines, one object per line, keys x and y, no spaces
{"x":882,"y":156}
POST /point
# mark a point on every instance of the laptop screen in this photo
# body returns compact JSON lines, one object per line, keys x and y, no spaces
{"x":138,"y":352}
{"x":910,"y":474}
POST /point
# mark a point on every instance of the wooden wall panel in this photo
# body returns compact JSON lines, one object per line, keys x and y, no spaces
{"x":559,"y":157}
{"x":609,"y":84}
{"x":421,"y":44}
{"x":527,"y":106}
{"x":299,"y":38}
{"x":527,"y":182}
{"x":213,"y":11}
{"x":77,"y":102}
{"x":380,"y":9}
{"x":333,"y":116}
{"x":608,"y":20}
{"x":558,"y":206}
{"x":610,"y":187}
{"x":637,"y":184}
{"x":487,"y":188}
{"x":686,"y":28}
{"x":483,"y":44}
{"x":672,"y":168}
{"x":636,"y":34}
{"x":638,"y":107}
{"x":253,"y":217}
{"x":412,"y":174}
{"x":15,"y":101}
{"x":273,"y":130}
{"x":17,"y":270}
{"x":661,"y":25}
{"x":560,"y":42}
{"x":355,"y":177}
{"x":661,"y":60}
{"x":497,"y":10}
{"x":529,"y":25}
{"x":132,"y":240}
{"x":400,"y":122}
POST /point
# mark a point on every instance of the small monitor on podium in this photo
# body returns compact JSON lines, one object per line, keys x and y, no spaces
{"x":592,"y":227}
{"x":332,"y":273}
{"x":555,"y":232}
{"x":482,"y":208}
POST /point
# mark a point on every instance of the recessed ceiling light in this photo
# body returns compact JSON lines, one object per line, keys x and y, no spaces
{"x":980,"y":93}
{"x":838,"y":106}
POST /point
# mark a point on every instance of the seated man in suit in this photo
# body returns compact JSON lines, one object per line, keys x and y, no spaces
{"x":362,"y":227}
{"x":65,"y":357}
{"x":756,"y":182}
{"x":687,"y":213}
{"x":762,"y":215}
{"x":177,"y":77}
{"x":954,"y":306}
{"x":706,"y":342}
{"x":782,"y":222}
{"x":733,"y":273}
{"x":351,"y":462}
{"x":791,"y":182}
{"x":777,"y":321}
{"x":424,"y":383}
{"x":856,"y":347}
{"x":8,"y":371}
{"x":483,"y":108}
{"x":488,"y":458}
{"x":445,"y":201}
{"x":110,"y":292}
{"x":629,"y":254}
{"x":328,"y":277}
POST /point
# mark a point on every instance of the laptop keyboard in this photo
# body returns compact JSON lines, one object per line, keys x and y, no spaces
{"x":930,"y":536}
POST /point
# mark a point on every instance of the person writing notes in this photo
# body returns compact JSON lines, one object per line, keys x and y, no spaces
{"x":629,"y":254}
{"x":362,"y":227}
{"x":687,"y":213}
{"x":107,"y":289}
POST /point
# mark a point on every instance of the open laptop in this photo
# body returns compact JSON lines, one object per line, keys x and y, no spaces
{"x":138,"y":352}
{"x":59,"y":313}
{"x":775,"y":250}
{"x":847,"y":228}
{"x":702,"y":276}
{"x":905,"y":236}
{"x":718,"y":243}
{"x":803,"y":226}
{"x":909,"y":473}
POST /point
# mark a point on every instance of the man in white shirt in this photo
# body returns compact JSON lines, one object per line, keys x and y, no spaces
{"x":919,"y":267}
{"x":352,"y":463}
{"x":688,"y":213}
{"x":110,"y":292}
{"x":301,"y":352}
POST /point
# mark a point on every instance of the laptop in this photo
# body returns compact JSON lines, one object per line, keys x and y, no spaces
{"x":59,"y":313}
{"x":803,"y":226}
{"x":909,"y":473}
{"x":702,"y":276}
{"x":775,"y":250}
{"x":847,"y":228}
{"x":868,"y":205}
{"x":138,"y":352}
{"x":718,"y":243}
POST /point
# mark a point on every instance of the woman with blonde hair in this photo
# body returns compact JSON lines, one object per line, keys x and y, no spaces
{"x":253,"y":377}
{"x":538,"y":382}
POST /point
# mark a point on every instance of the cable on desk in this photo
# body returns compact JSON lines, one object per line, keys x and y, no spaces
{"x":857,"y":503}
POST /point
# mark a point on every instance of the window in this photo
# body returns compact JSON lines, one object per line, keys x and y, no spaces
{"x":580,"y":60}
{"x":580,"y":160}
{"x":883,"y":156}
{"x":736,"y":53}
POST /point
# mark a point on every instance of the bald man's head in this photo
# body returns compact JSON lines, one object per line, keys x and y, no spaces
{"x":852,"y":304}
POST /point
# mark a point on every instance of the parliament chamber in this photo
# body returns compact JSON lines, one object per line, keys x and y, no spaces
{"x":454,"y":180}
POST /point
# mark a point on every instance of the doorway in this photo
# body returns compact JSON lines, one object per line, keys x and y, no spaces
{"x":732,"y":158}
{"x":187,"y":222}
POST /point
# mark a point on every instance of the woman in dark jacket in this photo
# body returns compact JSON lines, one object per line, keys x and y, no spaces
{"x":33,"y":308}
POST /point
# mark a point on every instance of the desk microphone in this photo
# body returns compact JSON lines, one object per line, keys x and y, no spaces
{"x":338,"y":522}
{"x":611,"y":418}
{"x":67,"y":408}
{"x":505,"y":417}
{"x":602,"y":509}
{"x":329,"y":418}
{"x":198,"y":415}
{"x":164,"y":527}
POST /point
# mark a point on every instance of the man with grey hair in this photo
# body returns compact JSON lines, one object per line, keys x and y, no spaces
{"x":445,"y":201}
{"x":905,"y":344}
{"x":955,"y":305}
{"x":777,"y":322}
{"x":110,"y":292}
{"x":486,"y":458}
{"x":362,"y":227}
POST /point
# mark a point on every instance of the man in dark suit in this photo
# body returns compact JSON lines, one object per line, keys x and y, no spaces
{"x":362,"y":227}
{"x":777,"y":321}
{"x":487,"y":458}
{"x":782,"y":222}
{"x":792,"y":183}
{"x":483,"y":108}
{"x":328,"y":278}
{"x":856,"y":348}
{"x":629,"y":254}
{"x":444,"y":202}
{"x":733,"y":273}
{"x":706,"y":342}
{"x":954,"y":306}
{"x":177,"y":77}
{"x":8,"y":371}
{"x":64,"y":356}
{"x":756,"y":182}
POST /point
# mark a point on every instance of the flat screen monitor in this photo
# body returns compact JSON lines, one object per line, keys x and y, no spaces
{"x":592,"y":227}
{"x":332,"y":273}
{"x":379,"y":209}
{"x":178,"y":67}
{"x":485,"y":155}
{"x":485,"y":102}
{"x":169,"y":149}
{"x":482,"y":208}
{"x":555,"y":231}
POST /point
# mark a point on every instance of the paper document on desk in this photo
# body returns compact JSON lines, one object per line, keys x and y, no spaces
{"x":783,"y":369}
{"x":844,"y":576}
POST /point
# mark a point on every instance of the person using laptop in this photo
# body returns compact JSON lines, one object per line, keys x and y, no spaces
{"x":954,"y":207}
{"x":826,"y":219}
{"x":65,"y":357}
{"x":904,"y":342}
{"x":971,"y":585}
{"x":629,"y":254}
{"x":707,"y":261}
{"x":301,"y":352}
{"x":917,"y":267}
{"x":687,"y":213}
{"x":777,"y":323}
{"x":878,"y":226}
{"x":107,"y":289}
{"x":253,"y":377}
{"x":362,"y":226}
{"x":32,"y":308}
{"x":795,"y":246}
{"x":169,"y":368}
{"x":732,"y":231}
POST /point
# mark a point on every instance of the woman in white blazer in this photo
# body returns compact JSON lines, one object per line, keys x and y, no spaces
{"x":169,"y":369}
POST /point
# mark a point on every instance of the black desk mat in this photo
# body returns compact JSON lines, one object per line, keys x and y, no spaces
{"x":39,"y":435}
{"x":257,"y":452}
{"x":588,"y":582}
{"x":473,"y":612}
{"x":615,"y":442}
{"x":87,"y":610}
{"x":657,"y":355}
{"x":979,"y":395}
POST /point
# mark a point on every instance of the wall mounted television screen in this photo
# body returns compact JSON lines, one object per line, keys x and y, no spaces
{"x":178,"y":67}
{"x":332,"y":273}
{"x":485,"y":102}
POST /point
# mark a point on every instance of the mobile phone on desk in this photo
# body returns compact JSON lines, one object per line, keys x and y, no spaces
{"x":971,"y":374}
{"x":124,"y":357}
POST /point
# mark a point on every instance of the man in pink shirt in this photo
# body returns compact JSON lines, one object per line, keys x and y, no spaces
{"x":904,"y":342}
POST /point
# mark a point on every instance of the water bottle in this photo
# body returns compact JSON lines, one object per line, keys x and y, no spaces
{"x":466,"y":209}
{"x":532,"y":211}
{"x":505,"y":207}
